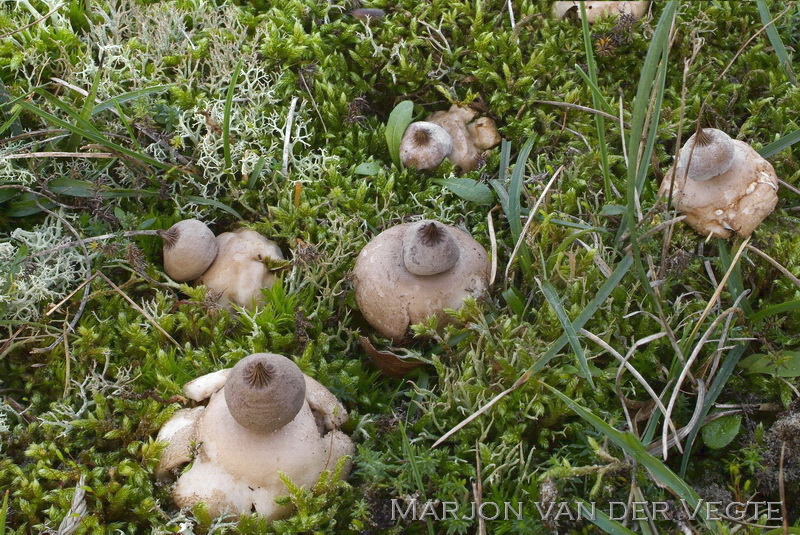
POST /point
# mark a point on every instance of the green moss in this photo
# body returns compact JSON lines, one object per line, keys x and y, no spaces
{"x":98,"y":417}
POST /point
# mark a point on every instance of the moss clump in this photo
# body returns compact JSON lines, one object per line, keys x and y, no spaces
{"x":92,"y":406}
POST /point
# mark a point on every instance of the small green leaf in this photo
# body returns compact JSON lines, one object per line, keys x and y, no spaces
{"x":722,"y":431}
{"x":513,"y":300}
{"x":399,"y":119}
{"x":215,"y":203}
{"x":782,"y":364}
{"x":147,"y":223}
{"x":609,"y":210}
{"x":468,"y":189}
{"x":367,"y":168}
{"x":74,"y":188}
{"x":256,"y":172}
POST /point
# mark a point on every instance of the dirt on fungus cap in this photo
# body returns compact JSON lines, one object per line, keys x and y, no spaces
{"x":265,"y":391}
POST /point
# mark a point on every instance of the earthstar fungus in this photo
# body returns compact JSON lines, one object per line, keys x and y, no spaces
{"x":596,"y":9}
{"x":721,"y":185}
{"x":455,"y":134}
{"x":414,"y":270}
{"x":240,"y":269}
{"x":266,"y":416}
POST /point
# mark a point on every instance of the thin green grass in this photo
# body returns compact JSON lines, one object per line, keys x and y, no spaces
{"x":552,"y":297}
{"x":776,"y":42}
{"x":598,"y":102}
{"x":637,"y":451}
{"x":226,"y":119}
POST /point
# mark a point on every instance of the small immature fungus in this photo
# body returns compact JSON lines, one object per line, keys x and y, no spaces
{"x":424,"y":145}
{"x":721,"y":185}
{"x":469,"y":139}
{"x":264,"y":417}
{"x":189,"y":249}
{"x":240,"y":270}
{"x":415,"y":270}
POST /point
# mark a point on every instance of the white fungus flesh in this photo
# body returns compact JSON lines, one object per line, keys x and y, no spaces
{"x":240,"y":270}
{"x":597,"y":9}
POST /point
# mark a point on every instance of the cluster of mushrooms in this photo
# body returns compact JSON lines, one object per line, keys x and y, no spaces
{"x":233,"y":265}
{"x":264,"y":415}
{"x":455,"y":134}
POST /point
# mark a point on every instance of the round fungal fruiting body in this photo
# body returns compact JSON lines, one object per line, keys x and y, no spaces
{"x":392,"y":296}
{"x":424,"y":145}
{"x":483,"y":132}
{"x":469,"y":139}
{"x":429,"y":248}
{"x":189,"y":249}
{"x":265,"y":391}
{"x":708,"y":153}
{"x":734,"y":201}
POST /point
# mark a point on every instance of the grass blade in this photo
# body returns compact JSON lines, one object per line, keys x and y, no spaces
{"x":714,"y":391}
{"x":15,"y":111}
{"x":602,"y":520}
{"x":96,"y":137}
{"x":597,"y":102}
{"x":778,"y":145}
{"x":595,"y":90}
{"x":215,"y":203}
{"x":775,"y":309}
{"x":605,"y":291}
{"x":3,"y":513}
{"x":775,"y":41}
{"x":252,"y":180}
{"x":86,"y":111}
{"x":637,"y":451}
{"x":653,"y":71}
{"x":125,"y":97}
{"x":736,"y":284}
{"x":515,"y":189}
{"x":550,"y":294}
{"x":226,"y":118}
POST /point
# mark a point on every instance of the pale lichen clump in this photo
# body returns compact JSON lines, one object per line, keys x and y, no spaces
{"x":47,"y":278}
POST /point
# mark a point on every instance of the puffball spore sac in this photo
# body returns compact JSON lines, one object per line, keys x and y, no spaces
{"x":189,"y":249}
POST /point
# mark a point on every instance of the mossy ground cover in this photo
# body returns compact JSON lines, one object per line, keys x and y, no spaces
{"x":148,"y":84}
